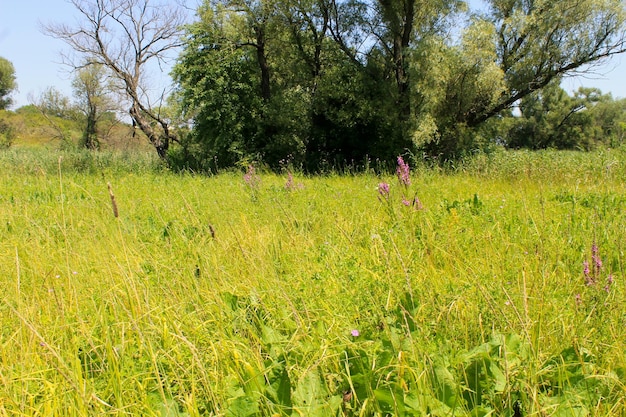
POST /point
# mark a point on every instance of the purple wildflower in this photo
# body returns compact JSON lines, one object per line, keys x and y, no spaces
{"x":609,"y":282}
{"x":251,"y":178}
{"x":383,"y":190}
{"x":355,"y":333}
{"x":403,"y":171}
{"x":578,"y":299}
{"x":406,"y":202}
{"x":597,"y":262}
{"x":589,"y":280}
{"x":289,"y":184}
{"x":417,"y":204}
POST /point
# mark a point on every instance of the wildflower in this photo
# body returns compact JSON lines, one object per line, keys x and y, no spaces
{"x":383,"y":190}
{"x":597,"y":262}
{"x":589,"y":280}
{"x":251,"y":178}
{"x":417,"y":204}
{"x":609,"y":282}
{"x":289,"y":184}
{"x":578,"y":299}
{"x":406,"y":202}
{"x":403,"y":172}
{"x":355,"y":333}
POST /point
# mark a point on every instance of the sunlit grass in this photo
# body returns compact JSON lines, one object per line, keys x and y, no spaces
{"x":207,"y":296}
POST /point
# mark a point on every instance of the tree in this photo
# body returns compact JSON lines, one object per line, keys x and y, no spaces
{"x":529,"y":44}
{"x":93,"y":101}
{"x":127,"y":37}
{"x":269,"y":80}
{"x":53,"y":103}
{"x":7,"y":82}
{"x":57,"y":110}
{"x":539,"y":41}
{"x":608,"y":114}
{"x":550,"y":118}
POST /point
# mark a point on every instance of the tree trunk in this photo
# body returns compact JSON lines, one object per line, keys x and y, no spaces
{"x":399,"y":15}
{"x":263,"y":65}
{"x":90,"y":135}
{"x":161,"y":142}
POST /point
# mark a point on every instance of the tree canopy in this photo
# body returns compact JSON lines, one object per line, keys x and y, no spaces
{"x":7,"y":82}
{"x":337,"y":81}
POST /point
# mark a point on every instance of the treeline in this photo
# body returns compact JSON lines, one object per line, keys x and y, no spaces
{"x":316,"y":82}
{"x":322,"y":83}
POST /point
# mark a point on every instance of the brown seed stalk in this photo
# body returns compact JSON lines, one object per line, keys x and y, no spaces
{"x":113,"y":202}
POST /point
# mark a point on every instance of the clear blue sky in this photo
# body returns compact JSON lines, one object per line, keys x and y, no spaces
{"x":36,"y":56}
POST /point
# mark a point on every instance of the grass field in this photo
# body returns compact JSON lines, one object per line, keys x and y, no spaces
{"x":501,"y":293}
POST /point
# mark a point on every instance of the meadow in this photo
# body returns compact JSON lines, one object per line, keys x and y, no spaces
{"x":499,"y":292}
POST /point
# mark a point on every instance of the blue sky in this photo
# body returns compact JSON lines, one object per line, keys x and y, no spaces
{"x":36,"y":56}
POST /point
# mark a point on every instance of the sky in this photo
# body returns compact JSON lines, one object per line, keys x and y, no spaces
{"x":35,"y":56}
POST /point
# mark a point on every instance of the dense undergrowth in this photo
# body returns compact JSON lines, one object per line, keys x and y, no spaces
{"x":498,"y":291}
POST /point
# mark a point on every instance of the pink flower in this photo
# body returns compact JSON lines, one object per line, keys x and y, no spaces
{"x":355,"y":333}
{"x":417,"y":204}
{"x":251,"y":178}
{"x":383,"y":190}
{"x":404,"y":172}
{"x":589,"y":280}
{"x":289,"y":184}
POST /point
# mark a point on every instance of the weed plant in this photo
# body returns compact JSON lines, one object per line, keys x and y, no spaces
{"x":321,"y":296}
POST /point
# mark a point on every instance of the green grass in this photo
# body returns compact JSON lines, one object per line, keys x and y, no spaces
{"x":207,"y":296}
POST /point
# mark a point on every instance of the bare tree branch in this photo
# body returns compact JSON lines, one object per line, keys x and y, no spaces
{"x":126,"y":36}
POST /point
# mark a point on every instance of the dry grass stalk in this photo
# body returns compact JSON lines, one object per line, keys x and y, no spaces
{"x":113,"y":202}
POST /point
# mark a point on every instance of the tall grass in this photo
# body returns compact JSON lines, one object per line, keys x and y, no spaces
{"x":226,"y":297}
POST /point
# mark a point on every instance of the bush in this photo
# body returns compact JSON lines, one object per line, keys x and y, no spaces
{"x":7,"y":135}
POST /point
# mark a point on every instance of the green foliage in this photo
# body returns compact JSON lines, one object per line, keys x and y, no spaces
{"x":94,"y":103}
{"x":321,"y":86}
{"x":7,"y":82}
{"x":219,"y":94}
{"x":7,"y":134}
{"x":552,"y":118}
{"x":53,"y":103}
{"x":320,"y":108}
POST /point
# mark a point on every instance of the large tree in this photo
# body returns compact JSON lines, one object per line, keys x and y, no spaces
{"x":538,"y":41}
{"x":7,"y":82}
{"x":512,"y":49}
{"x":128,"y":37}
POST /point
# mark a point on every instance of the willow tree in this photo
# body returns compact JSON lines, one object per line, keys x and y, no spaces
{"x":128,"y":37}
{"x":538,"y":41}
{"x":510,"y":50}
{"x":94,"y":101}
